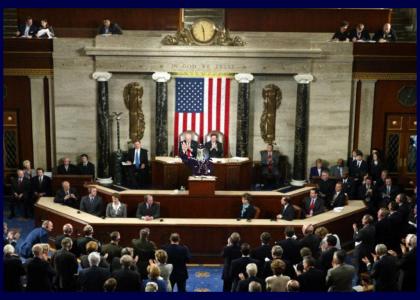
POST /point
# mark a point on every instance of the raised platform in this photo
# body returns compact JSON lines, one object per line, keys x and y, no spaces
{"x":205,"y":237}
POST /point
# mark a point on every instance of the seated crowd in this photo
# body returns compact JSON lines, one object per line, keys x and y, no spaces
{"x":361,"y":34}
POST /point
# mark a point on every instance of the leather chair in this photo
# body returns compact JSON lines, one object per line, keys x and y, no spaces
{"x":257,"y":212}
{"x":194,"y":136}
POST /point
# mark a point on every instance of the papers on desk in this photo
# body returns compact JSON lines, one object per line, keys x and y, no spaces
{"x":169,"y":160}
{"x":338,"y":209}
{"x":238,"y":159}
{"x":202,"y":178}
{"x":125,"y":163}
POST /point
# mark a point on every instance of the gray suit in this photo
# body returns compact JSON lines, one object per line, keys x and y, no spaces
{"x":339,"y":279}
{"x":265,"y":170}
{"x":121,"y":212}
{"x":335,"y":171}
{"x":94,"y":207}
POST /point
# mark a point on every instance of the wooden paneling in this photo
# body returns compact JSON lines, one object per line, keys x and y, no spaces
{"x":303,"y":20}
{"x":27,"y":53}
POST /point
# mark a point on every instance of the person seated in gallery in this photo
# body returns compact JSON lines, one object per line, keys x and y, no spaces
{"x":359,"y":34}
{"x":288,"y":212}
{"x":67,"y":195}
{"x":191,"y":146}
{"x":342,"y":35}
{"x":326,"y":186}
{"x":247,"y":209}
{"x":386,"y":34}
{"x":314,"y":205}
{"x":45,"y":31}
{"x":85,"y":166}
{"x":270,"y":165}
{"x":116,"y":209}
{"x":109,"y":28}
{"x":27,"y":30}
{"x":214,"y":147}
{"x":148,"y":210}
{"x":92,"y":203}
{"x":317,"y":170}
{"x":339,"y":198}
{"x":387,"y":192}
{"x":338,"y":170}
{"x":138,"y":163}
{"x":67,"y":168}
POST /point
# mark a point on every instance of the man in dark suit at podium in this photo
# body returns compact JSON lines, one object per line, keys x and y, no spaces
{"x":85,"y":166}
{"x":270,"y":165}
{"x":214,"y":147}
{"x":138,"y":162}
{"x":191,"y":149}
{"x":67,"y":168}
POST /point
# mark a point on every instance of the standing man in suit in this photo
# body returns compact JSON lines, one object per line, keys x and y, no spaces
{"x":340,"y":276}
{"x":339,"y":198}
{"x":326,"y":257}
{"x":65,"y":265}
{"x":247,"y":209}
{"x":364,"y":242}
{"x":251,"y":271}
{"x":27,"y":30}
{"x":290,"y":246}
{"x":40,"y":274}
{"x":41,"y":185}
{"x":313,"y":204}
{"x":148,"y":210}
{"x":67,"y":232}
{"x":288,"y":212}
{"x":348,"y":185}
{"x":109,"y":28}
{"x":312,"y":279}
{"x":264,"y":251}
{"x":13,"y":270}
{"x":230,"y":252}
{"x":359,"y":34}
{"x":128,"y":279}
{"x":83,"y":240}
{"x":36,"y":236}
{"x":239,"y":265}
{"x":270,"y":165}
{"x":326,"y":186}
{"x":112,"y":249}
{"x":67,"y":168}
{"x":339,"y":169}
{"x":359,"y":167}
{"x":190,"y":148}
{"x":21,"y":195}
{"x":385,"y":35}
{"x":310,"y":240}
{"x":214,"y":147}
{"x":85,"y":166}
{"x":144,"y":249}
{"x":387,"y":192}
{"x":92,"y":279}
{"x":67,"y":195}
{"x":92,"y":203}
{"x":137,"y":159}
{"x":178,"y":256}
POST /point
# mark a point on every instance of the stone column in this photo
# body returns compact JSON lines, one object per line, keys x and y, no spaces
{"x":242,"y":135}
{"x":301,"y":129}
{"x":102,"y":127}
{"x":161,"y":115}
{"x":367,"y":99}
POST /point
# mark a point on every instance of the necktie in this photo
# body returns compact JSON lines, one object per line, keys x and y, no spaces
{"x":388,"y":190}
{"x":312,"y":205}
{"x":270,"y":161}
{"x":40,"y":180}
{"x":188,"y":153}
{"x":358,"y":164}
{"x":137,"y":159}
{"x":341,"y":172}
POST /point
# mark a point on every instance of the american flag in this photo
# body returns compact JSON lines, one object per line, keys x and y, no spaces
{"x":202,"y":105}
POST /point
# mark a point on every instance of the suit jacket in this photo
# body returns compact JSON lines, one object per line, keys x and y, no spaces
{"x":368,"y":197}
{"x":385,"y":272}
{"x":81,"y":244}
{"x":288,"y":212}
{"x":72,"y":202}
{"x":395,"y":233}
{"x":41,"y":187}
{"x":382,"y":232}
{"x":89,"y":169}
{"x":13,"y":269}
{"x":113,"y":250}
{"x":194,"y":146}
{"x":326,"y":257}
{"x":113,"y":29}
{"x":121,"y":212}
{"x":339,"y":279}
{"x":153,"y":211}
{"x":311,"y":241}
{"x":407,"y":264}
{"x":239,"y":266}
{"x":261,"y":253}
{"x":143,"y":157}
{"x":92,"y":279}
{"x":128,"y":280}
{"x":94,"y":208}
{"x":341,"y":36}
{"x":339,"y":200}
{"x":335,"y":171}
{"x":375,"y":170}
{"x":384,"y":195}
{"x":349,"y":187}
{"x":178,"y":256}
{"x":362,"y":36}
{"x":319,"y":206}
{"x":32,"y":30}
{"x":312,"y":280}
{"x":145,"y":250}
{"x":71,"y":170}
{"x":229,"y":254}
{"x":358,"y":172}
{"x":66,"y":266}
{"x":266,"y":271}
{"x":37,"y":235}
{"x":58,"y":240}
{"x":84,"y":262}
{"x":212,"y":152}
{"x":39,"y":275}
{"x":327,"y":188}
{"x":243,"y":285}
{"x":390,"y":37}
{"x":366,"y":236}
{"x":249,"y":212}
{"x":275,"y":156}
{"x":313,"y":172}
{"x":291,"y":250}
{"x":23,"y":188}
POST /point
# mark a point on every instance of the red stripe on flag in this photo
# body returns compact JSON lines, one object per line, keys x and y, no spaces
{"x":227,"y":105}
{"x":210,"y":103}
{"x":218,"y":101}
{"x":185,"y":122}
{"x":202,"y":128}
{"x":176,"y":134}
{"x":193,"y":122}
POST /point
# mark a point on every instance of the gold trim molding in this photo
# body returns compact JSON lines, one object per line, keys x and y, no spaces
{"x":27,"y":72}
{"x":384,"y":76}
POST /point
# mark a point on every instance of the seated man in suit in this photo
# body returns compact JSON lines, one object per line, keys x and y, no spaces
{"x":148,"y":210}
{"x":339,"y":169}
{"x":359,"y":34}
{"x":116,"y":209}
{"x":247,"y":209}
{"x":41,"y":185}
{"x":21,"y":195}
{"x":288,"y":212}
{"x":313,"y":204}
{"x":270,"y":164}
{"x":317,"y":170}
{"x":109,"y":28}
{"x":342,"y":34}
{"x":191,"y":146}
{"x":67,"y":168}
{"x":386,"y":34}
{"x":85,"y":166}
{"x":27,"y":30}
{"x":387,"y":192}
{"x":326,"y":186}
{"x":214,"y":147}
{"x":67,"y":195}
{"x":339,"y":198}
{"x":92,"y":203}
{"x":138,"y":162}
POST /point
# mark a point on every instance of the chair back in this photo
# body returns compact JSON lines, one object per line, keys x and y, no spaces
{"x":257,"y":212}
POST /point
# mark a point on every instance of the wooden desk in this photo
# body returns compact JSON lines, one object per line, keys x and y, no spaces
{"x":223,"y":204}
{"x":205,"y":237}
{"x":170,"y":173}
{"x":76,"y":181}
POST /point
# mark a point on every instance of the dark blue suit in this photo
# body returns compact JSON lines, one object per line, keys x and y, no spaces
{"x":37,"y":235}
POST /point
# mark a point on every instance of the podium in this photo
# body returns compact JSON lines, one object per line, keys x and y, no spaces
{"x":201,"y":185}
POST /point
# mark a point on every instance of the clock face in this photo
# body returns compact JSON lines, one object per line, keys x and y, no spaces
{"x":407,"y":96}
{"x":203,"y":30}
